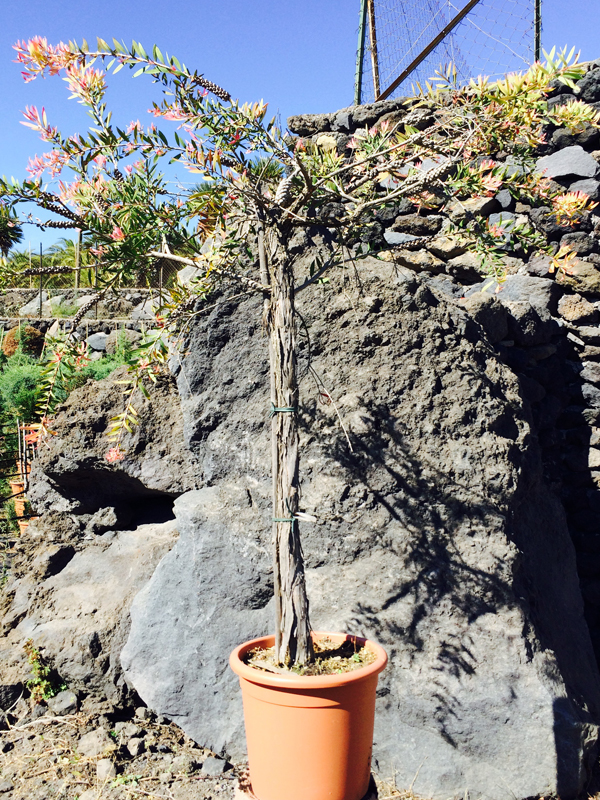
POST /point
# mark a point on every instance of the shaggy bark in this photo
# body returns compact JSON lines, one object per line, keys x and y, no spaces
{"x":292,"y":627}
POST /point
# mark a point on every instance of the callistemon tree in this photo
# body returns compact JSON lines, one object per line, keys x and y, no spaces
{"x":257,"y":188}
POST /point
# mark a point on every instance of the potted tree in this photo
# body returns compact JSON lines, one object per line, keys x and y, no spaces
{"x":260,"y":187}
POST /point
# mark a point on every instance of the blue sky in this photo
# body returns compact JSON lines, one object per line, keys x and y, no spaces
{"x":298,"y":56}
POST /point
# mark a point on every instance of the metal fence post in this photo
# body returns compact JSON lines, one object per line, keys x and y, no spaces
{"x":373,"y":40}
{"x":537,"y":24}
{"x":360,"y":53}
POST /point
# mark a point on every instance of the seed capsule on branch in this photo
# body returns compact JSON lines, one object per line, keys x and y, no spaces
{"x":221,"y":93}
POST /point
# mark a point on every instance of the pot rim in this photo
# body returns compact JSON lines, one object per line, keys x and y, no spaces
{"x":308,"y":682}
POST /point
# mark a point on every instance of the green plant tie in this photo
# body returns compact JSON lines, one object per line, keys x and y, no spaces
{"x":282,"y":410}
{"x":284,"y":519}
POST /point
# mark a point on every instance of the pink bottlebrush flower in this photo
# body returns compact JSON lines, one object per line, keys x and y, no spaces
{"x":134,"y":127}
{"x":117,"y":234}
{"x":114,"y":454}
{"x":100,"y":161}
{"x":128,"y":169}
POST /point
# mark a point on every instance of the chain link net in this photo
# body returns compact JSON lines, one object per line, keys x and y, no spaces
{"x":492,"y":39}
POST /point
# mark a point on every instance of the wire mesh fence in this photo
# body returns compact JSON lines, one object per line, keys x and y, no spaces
{"x":480,"y":37}
{"x":161,"y":274}
{"x":60,"y":294}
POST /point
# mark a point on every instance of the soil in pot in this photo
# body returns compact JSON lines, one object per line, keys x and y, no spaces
{"x":331,"y":658}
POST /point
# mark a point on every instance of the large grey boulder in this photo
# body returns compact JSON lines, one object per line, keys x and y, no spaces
{"x":435,"y":535}
{"x":79,"y":616}
{"x":72,"y":473}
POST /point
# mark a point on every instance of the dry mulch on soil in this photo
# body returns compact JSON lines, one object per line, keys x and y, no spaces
{"x":330,"y":659}
{"x":40,"y":760}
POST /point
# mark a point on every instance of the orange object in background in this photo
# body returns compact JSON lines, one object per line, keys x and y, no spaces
{"x":309,"y":737}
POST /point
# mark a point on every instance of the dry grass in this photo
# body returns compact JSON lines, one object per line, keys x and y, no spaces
{"x":41,"y":762}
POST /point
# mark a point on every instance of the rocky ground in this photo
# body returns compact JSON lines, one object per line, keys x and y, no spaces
{"x":90,"y":755}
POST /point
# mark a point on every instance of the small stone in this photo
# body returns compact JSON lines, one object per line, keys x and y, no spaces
{"x":504,"y":220}
{"x":579,"y":241}
{"x":568,"y":161}
{"x":165,"y":777}
{"x":326,"y":142}
{"x":589,"y":86}
{"x":342,"y":120}
{"x":465,"y":268}
{"x":127,"y":730}
{"x":144,"y":713}
{"x":459,"y":210}
{"x":590,"y":352}
{"x":589,"y":333}
{"x":562,"y":137}
{"x":542,"y":293}
{"x":588,"y":186}
{"x":575,"y":308}
{"x":214,"y":766}
{"x":594,"y":458}
{"x":184,"y":764}
{"x":591,"y":395}
{"x":63,"y":703}
{"x":144,"y":311}
{"x":515,"y":166}
{"x":105,"y":769}
{"x":97,"y":341}
{"x":95,"y":743}
{"x":135,"y":747}
{"x":590,"y":372}
{"x":541,"y":266}
{"x":309,"y":124}
{"x":505,"y":199}
{"x":583,"y":277}
{"x":419,"y":260}
{"x":418,"y":225}
{"x":445,"y":247}
{"x":6,"y":786}
{"x":395,"y":237}
{"x":32,"y":308}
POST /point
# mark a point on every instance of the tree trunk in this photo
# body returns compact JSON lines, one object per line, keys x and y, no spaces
{"x":292,"y":633}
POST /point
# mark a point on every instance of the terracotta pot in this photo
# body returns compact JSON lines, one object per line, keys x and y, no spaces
{"x":309,"y":737}
{"x":15,"y":488}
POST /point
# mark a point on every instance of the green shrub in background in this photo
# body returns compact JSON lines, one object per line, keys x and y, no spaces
{"x":19,"y":386}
